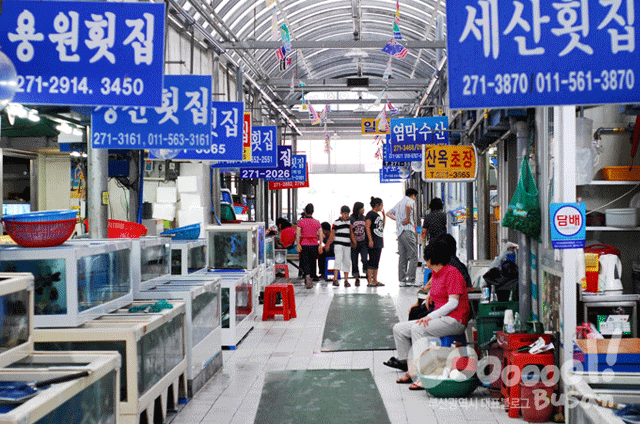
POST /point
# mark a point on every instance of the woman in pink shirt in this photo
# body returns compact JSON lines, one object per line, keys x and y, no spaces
{"x":309,"y":243}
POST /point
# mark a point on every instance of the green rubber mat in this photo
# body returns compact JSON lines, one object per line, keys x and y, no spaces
{"x":359,"y":322}
{"x":321,"y":396}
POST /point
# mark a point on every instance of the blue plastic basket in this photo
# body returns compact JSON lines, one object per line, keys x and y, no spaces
{"x":188,"y":232}
{"x":43,"y":216}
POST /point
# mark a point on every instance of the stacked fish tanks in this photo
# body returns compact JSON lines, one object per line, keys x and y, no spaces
{"x":233,"y":254}
{"x":201,"y":295}
{"x":44,"y":387}
{"x":74,"y":282}
{"x":188,"y":256}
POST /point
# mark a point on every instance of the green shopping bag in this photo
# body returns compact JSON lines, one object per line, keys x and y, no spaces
{"x":523,"y":213}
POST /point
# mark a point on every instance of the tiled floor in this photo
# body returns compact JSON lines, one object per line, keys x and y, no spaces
{"x":233,"y":394}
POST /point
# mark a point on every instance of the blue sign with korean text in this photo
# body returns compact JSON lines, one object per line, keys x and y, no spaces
{"x":280,"y":173}
{"x":85,"y":53}
{"x":182,"y":122}
{"x":568,"y":225}
{"x":539,"y":53}
{"x":395,"y":172}
{"x":299,"y":168}
{"x":385,"y":179}
{"x":226,"y":134}
{"x":389,"y":156}
{"x":263,"y":150}
{"x":409,"y":134}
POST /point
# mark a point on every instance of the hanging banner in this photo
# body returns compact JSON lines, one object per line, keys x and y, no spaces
{"x":449,"y":163}
{"x":182,"y":122}
{"x":568,"y":225}
{"x":85,"y":53}
{"x":281,"y":172}
{"x":263,"y":150}
{"x":542,"y":53}
{"x":370,"y":126}
{"x":409,"y":134}
{"x":246,"y":137}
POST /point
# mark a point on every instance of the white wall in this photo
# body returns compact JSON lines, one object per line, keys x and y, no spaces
{"x":54,"y":182}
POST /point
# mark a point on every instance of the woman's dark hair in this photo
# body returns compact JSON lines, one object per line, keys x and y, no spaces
{"x":411,"y":192}
{"x":326,"y":226}
{"x":308,"y":210}
{"x":450,"y":242}
{"x":437,"y":252}
{"x":282,"y":223}
{"x":356,"y":208}
{"x":375,"y":201}
{"x":436,"y":204}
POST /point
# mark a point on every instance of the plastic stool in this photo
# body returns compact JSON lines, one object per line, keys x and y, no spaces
{"x":327,"y":270}
{"x":288,"y":308}
{"x":283,"y":267}
{"x":511,"y":394}
{"x":448,"y":341}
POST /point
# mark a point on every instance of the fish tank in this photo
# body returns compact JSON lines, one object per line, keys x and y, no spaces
{"x":152,"y":347}
{"x":89,"y":399}
{"x":260,"y":243}
{"x":270,"y":251}
{"x":238,"y":296}
{"x":74,"y":282}
{"x":188,"y":256}
{"x":16,"y":317}
{"x":232,"y":246}
{"x":201,"y":295}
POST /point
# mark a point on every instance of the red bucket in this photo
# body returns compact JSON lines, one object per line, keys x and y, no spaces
{"x":123,"y":229}
{"x":535,"y":402}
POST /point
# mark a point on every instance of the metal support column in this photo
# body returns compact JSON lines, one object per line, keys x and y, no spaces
{"x":470,"y":223}
{"x":239,"y":85}
{"x":215,"y":173}
{"x":484,"y":217}
{"x":97,"y":164}
{"x":294,"y":192}
{"x":521,"y":128}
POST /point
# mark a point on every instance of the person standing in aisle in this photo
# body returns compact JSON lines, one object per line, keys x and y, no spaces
{"x":435,"y":223}
{"x":360,"y":245}
{"x":327,"y":251}
{"x":403,"y":213}
{"x":374,"y":227}
{"x":341,"y":240}
{"x":309,"y":243}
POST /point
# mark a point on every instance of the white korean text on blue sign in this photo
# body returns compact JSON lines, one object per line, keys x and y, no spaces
{"x":389,"y":156}
{"x":384,"y":179}
{"x":409,"y":134}
{"x":536,"y":53}
{"x":568,"y":225}
{"x":226,"y":134}
{"x":85,"y":53}
{"x":282,"y":172}
{"x":263,"y":149}
{"x":299,"y":168}
{"x":395,"y":172}
{"x":182,"y":122}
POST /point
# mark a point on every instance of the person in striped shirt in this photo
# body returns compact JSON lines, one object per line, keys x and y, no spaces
{"x":342,"y":238}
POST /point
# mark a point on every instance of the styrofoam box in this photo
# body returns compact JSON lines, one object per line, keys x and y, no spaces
{"x":190,"y":200}
{"x":166,"y":195}
{"x":191,"y":216}
{"x":164,"y":211}
{"x":90,"y":399}
{"x":188,"y":184}
{"x":623,"y":217}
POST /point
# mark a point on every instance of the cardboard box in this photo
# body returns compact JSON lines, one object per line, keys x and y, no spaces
{"x":619,"y":355}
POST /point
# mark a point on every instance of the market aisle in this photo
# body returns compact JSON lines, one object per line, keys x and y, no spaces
{"x":233,"y":395}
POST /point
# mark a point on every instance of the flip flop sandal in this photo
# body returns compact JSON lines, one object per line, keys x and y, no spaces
{"x":416,"y":386}
{"x":336,"y":283}
{"x":357,"y":283}
{"x":405,"y":379}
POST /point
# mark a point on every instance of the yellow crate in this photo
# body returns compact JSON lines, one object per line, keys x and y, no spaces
{"x":6,"y":239}
{"x":621,"y":173}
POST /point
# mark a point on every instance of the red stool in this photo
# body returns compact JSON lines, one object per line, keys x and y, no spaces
{"x":511,"y":394}
{"x":283,"y":267}
{"x":288,"y":308}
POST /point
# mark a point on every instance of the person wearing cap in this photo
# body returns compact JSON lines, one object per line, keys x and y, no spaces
{"x":342,"y":238}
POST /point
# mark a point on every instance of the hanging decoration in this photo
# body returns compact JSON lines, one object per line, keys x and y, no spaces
{"x":392,"y":110}
{"x":274,"y":25}
{"x":379,"y":98}
{"x":387,"y":70}
{"x":292,"y":83}
{"x":395,"y":49}
{"x":302,"y":84}
{"x":381,"y":121}
{"x":313,"y":116}
{"x":269,"y":2}
{"x":396,"y":23}
{"x":327,"y":142}
{"x":378,"y":141}
{"x":282,"y":52}
{"x":323,"y":115}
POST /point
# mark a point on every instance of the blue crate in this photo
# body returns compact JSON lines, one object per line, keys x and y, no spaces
{"x":43,"y":216}
{"x":188,"y":232}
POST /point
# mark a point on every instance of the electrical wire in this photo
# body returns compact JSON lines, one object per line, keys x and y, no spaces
{"x":614,"y":200}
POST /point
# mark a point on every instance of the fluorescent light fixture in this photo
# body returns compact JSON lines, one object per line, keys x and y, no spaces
{"x":359,"y":89}
{"x":356,"y":53}
{"x":361,"y":109}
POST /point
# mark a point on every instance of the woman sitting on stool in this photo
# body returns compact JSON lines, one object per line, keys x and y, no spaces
{"x":451,"y":302}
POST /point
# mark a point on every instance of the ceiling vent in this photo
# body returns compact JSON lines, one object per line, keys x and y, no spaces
{"x":357,"y":82}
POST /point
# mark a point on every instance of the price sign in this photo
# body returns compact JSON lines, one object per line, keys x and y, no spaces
{"x":263,"y":150}
{"x":182,"y":122}
{"x":449,"y":163}
{"x":280,"y":173}
{"x":399,"y":157}
{"x":85,"y":53}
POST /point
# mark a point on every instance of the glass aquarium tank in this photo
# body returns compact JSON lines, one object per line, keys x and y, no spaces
{"x":232,"y":246}
{"x":270,"y":251}
{"x":16,"y":317}
{"x":74,"y":282}
{"x":188,"y":256}
{"x":155,"y":256}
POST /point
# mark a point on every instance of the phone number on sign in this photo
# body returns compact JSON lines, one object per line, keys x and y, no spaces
{"x":75,"y":85}
{"x":448,"y":174}
{"x":549,"y":82}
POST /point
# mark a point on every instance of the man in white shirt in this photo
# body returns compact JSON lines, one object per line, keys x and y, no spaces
{"x":403,"y":213}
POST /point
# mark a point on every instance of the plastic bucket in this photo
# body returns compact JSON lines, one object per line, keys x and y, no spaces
{"x":535,"y":402}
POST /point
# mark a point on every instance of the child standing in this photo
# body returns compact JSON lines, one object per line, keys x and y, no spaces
{"x":341,"y":238}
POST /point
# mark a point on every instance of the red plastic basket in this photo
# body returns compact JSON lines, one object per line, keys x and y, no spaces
{"x":123,"y":229}
{"x":40,"y":234}
{"x":517,"y":340}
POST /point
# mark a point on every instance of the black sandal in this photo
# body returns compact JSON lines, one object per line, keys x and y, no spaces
{"x":393,"y":362}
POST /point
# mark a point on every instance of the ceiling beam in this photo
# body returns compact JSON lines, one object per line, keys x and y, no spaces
{"x":393,"y":100}
{"x":328,"y":44}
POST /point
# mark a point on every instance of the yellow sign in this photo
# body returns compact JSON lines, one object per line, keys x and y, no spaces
{"x":449,"y":163}
{"x":105,"y":198}
{"x":370,"y":126}
{"x":246,"y":137}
